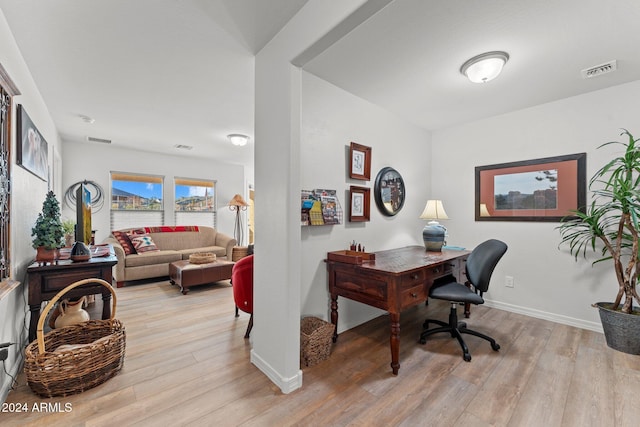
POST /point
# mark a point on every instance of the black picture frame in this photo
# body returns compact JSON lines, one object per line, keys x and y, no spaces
{"x":541,"y":190}
{"x":31,"y":146}
{"x":389,"y":191}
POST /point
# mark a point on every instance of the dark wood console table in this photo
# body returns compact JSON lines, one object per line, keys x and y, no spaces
{"x":45,"y":281}
{"x":395,"y":280}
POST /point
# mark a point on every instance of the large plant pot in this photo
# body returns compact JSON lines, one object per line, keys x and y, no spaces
{"x":621,"y":330}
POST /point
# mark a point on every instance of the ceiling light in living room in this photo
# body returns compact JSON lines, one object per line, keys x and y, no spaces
{"x":484,"y":67}
{"x":238,"y":139}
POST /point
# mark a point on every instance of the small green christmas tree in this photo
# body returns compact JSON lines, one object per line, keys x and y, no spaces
{"x":48,"y":231}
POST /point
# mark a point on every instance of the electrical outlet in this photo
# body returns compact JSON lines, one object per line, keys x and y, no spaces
{"x":508,"y":281}
{"x":4,"y":353}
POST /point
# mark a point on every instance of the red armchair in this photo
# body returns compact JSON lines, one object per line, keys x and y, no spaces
{"x":242,"y":282}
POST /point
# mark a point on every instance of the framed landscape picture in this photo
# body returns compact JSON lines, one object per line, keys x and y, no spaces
{"x":545,"y":189}
{"x":31,"y":146}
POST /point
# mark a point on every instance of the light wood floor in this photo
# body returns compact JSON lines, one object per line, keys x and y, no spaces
{"x":187,"y":363}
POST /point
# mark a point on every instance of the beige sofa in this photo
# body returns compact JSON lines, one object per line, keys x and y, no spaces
{"x":171,"y":244}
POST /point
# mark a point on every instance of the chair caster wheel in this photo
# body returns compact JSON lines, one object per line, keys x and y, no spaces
{"x":495,"y":346}
{"x":423,"y":340}
{"x":466,"y":357}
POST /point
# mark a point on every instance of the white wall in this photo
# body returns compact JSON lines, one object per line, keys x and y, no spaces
{"x":27,"y":195}
{"x":331,"y":120}
{"x":94,"y":162}
{"x":548,"y":282}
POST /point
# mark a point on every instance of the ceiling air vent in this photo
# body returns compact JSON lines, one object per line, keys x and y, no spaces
{"x":598,"y":70}
{"x":100,"y":140}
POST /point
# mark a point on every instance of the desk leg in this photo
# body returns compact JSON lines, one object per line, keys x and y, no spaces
{"x":33,"y":323}
{"x":106,"y":305}
{"x":334,"y":316}
{"x":395,"y":342}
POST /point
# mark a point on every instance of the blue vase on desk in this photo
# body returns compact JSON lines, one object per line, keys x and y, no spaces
{"x":433,"y":236}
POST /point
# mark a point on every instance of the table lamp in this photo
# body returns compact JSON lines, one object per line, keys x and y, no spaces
{"x":433,"y":233}
{"x":238,"y":204}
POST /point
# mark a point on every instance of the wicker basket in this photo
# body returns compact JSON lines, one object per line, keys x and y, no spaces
{"x":239,"y":252}
{"x":98,"y":356}
{"x":202,"y":257}
{"x":315,"y":340}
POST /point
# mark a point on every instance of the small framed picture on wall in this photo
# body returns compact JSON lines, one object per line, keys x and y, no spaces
{"x":359,"y":204}
{"x":359,"y":161}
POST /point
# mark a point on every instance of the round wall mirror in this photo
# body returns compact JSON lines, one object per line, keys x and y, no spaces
{"x":389,"y":191}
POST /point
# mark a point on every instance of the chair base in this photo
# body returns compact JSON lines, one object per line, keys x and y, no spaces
{"x":456,"y":329}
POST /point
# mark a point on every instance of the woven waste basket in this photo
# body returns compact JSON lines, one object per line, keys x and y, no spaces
{"x":93,"y":352}
{"x":315,"y":340}
{"x":239,"y":252}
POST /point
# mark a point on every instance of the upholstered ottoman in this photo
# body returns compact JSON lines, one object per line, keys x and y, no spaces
{"x":185,"y":274}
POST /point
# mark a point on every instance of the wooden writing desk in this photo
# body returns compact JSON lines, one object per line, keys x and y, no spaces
{"x":395,"y":280}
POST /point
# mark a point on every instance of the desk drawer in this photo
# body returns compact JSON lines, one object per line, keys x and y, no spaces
{"x":412,"y":279}
{"x":441,"y":270}
{"x":413,"y":295}
{"x":57,"y":282}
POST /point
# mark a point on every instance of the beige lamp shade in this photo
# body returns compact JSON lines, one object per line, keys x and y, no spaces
{"x":238,"y":201}
{"x":434,"y":210}
{"x":483,"y":210}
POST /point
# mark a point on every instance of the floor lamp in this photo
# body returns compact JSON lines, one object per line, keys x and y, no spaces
{"x":238,"y":204}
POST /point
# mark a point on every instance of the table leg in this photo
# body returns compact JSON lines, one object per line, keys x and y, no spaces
{"x":334,"y":316}
{"x":33,"y":323}
{"x":395,"y":342}
{"x":106,"y":304}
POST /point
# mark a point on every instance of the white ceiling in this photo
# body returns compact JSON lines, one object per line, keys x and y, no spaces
{"x":407,"y":57}
{"x":156,"y":73}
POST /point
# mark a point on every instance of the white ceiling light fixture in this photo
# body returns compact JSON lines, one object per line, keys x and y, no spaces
{"x":238,"y":139}
{"x":484,"y":67}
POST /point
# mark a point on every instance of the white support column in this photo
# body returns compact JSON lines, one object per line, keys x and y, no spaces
{"x":276,"y":333}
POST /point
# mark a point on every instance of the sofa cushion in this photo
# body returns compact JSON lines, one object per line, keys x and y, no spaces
{"x":186,"y":240}
{"x":125,"y":242}
{"x":143,"y":243}
{"x":152,"y":258}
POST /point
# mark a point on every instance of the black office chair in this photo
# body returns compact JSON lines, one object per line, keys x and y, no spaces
{"x":480,"y":265}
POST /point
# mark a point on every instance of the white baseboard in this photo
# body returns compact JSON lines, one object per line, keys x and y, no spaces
{"x":287,"y":385}
{"x":538,"y":314}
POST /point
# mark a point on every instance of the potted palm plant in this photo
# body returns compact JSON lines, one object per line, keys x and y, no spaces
{"x":47,"y":232}
{"x":610,"y":226}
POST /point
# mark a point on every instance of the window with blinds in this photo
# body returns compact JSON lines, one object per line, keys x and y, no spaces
{"x":136,"y":200}
{"x":195,"y":202}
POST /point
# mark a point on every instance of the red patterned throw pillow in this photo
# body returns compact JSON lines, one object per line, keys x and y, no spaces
{"x":143,"y":243}
{"x":125,"y":242}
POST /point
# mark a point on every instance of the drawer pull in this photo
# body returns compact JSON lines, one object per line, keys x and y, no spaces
{"x":414,"y":276}
{"x":436,"y":270}
{"x":414,"y":295}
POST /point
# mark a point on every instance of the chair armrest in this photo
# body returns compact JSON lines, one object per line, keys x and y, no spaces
{"x":227,"y":242}
{"x":117,"y":248}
